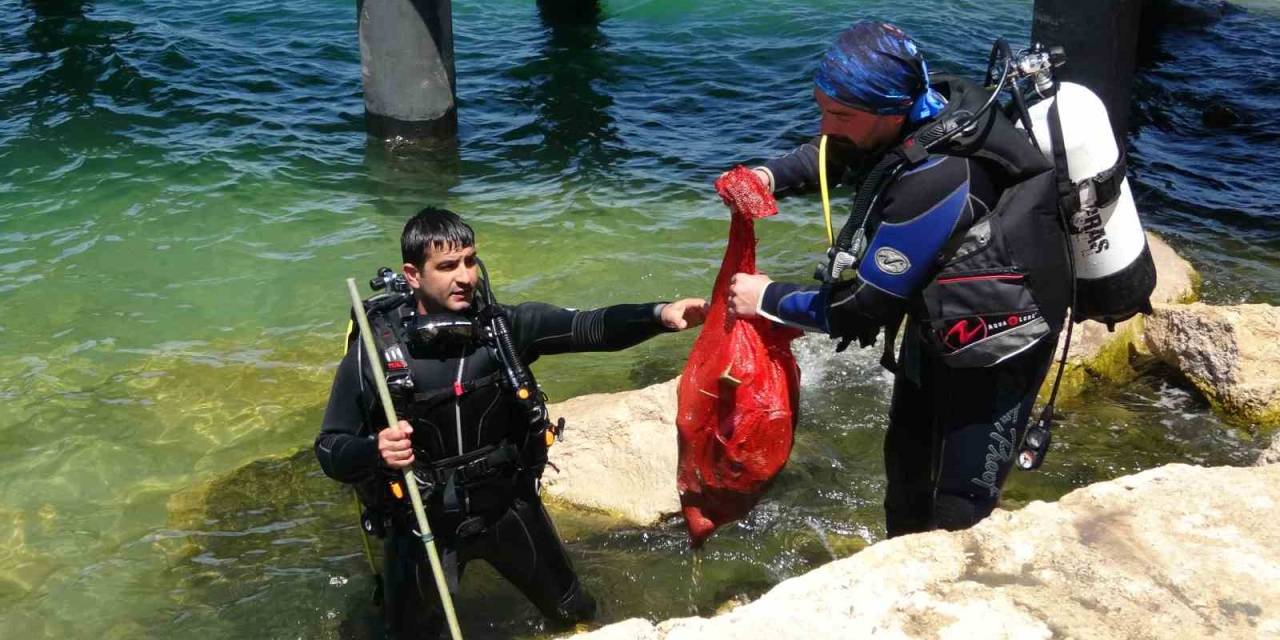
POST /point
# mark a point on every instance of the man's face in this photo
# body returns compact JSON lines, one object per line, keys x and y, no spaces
{"x":866,"y":130}
{"x":446,"y":281}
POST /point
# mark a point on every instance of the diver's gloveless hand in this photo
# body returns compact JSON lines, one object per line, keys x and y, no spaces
{"x":394,"y":445}
{"x":745,"y":292}
{"x":762,"y":173}
{"x":683,"y":314}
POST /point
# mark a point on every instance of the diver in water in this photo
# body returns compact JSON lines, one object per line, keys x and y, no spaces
{"x":476,"y":446}
{"x":961,"y":238}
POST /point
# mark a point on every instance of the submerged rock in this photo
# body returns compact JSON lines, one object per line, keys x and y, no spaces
{"x":1220,"y":116}
{"x":1272,"y":454}
{"x":1230,"y":353}
{"x":1097,"y":353}
{"x":1173,"y":552}
{"x":619,"y":453}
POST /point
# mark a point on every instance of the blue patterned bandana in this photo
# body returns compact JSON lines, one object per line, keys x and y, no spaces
{"x":876,"y":67}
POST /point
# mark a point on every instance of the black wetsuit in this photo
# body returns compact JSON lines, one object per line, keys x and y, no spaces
{"x":953,"y":433}
{"x":496,"y":516}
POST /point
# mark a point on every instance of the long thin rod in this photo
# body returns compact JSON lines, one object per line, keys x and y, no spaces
{"x":410,"y":481}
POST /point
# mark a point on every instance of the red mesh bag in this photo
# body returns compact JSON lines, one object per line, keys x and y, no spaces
{"x":739,"y":393}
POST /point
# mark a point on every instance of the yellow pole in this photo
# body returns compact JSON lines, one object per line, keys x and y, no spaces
{"x":428,"y":541}
{"x":822,"y":185}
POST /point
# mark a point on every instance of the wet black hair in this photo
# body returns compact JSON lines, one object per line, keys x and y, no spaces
{"x":433,"y":228}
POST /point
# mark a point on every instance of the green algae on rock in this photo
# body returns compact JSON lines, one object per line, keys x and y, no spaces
{"x":1099,"y":355}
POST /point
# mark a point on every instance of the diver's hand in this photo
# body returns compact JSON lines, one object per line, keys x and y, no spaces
{"x":762,"y":173}
{"x":683,"y":314}
{"x":395,"y":447}
{"x":745,"y":291}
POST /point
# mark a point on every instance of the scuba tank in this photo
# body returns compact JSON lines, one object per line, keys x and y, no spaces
{"x":1115,"y":274}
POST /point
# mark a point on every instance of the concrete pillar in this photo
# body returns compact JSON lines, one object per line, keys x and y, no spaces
{"x":573,"y":12}
{"x":406,"y":57}
{"x":1101,"y":41}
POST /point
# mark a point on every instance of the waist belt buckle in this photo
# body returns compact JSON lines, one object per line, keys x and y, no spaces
{"x":475,"y":469}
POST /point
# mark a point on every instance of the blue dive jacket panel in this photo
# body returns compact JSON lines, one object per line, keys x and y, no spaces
{"x":902,"y":255}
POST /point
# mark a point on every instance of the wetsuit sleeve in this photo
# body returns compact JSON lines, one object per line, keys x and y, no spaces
{"x":921,"y":210}
{"x":541,"y":329}
{"x":800,"y":306}
{"x":797,"y":172}
{"x":346,"y":446}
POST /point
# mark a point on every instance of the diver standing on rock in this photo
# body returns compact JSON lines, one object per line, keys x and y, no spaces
{"x":473,"y":426}
{"x":955,"y":227}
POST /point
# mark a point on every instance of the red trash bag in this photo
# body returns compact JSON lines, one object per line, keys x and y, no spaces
{"x":739,"y":393}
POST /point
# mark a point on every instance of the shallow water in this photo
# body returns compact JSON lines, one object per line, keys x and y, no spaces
{"x":184,"y":187}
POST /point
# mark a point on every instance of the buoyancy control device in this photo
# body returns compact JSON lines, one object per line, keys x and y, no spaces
{"x":397,"y":327}
{"x":1114,"y":271}
{"x":1004,"y":285}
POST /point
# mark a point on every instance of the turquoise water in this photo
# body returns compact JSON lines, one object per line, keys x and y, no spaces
{"x":183,"y":189}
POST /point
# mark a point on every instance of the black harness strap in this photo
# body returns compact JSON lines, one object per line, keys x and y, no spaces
{"x":476,"y":465}
{"x":1069,"y":196}
{"x":888,"y":359}
{"x":1106,"y":185}
{"x":424,"y":400}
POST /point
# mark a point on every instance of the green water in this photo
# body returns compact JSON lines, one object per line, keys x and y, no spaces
{"x":184,"y":188}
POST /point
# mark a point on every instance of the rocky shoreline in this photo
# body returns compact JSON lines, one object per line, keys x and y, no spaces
{"x":1172,"y":552}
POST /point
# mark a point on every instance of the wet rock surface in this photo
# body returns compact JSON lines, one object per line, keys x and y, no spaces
{"x":1230,"y":353}
{"x":619,"y":453}
{"x":1271,"y":455}
{"x":1173,"y":552}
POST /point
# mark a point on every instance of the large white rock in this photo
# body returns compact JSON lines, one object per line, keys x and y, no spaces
{"x":1231,"y":353}
{"x":1174,"y":552}
{"x":619,"y":453}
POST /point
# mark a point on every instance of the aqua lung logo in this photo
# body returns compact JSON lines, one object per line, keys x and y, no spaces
{"x":967,"y":331}
{"x":891,"y":261}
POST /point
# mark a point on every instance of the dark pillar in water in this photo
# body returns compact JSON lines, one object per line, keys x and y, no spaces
{"x":406,"y":57}
{"x":1101,"y":40}
{"x":571,"y":12}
